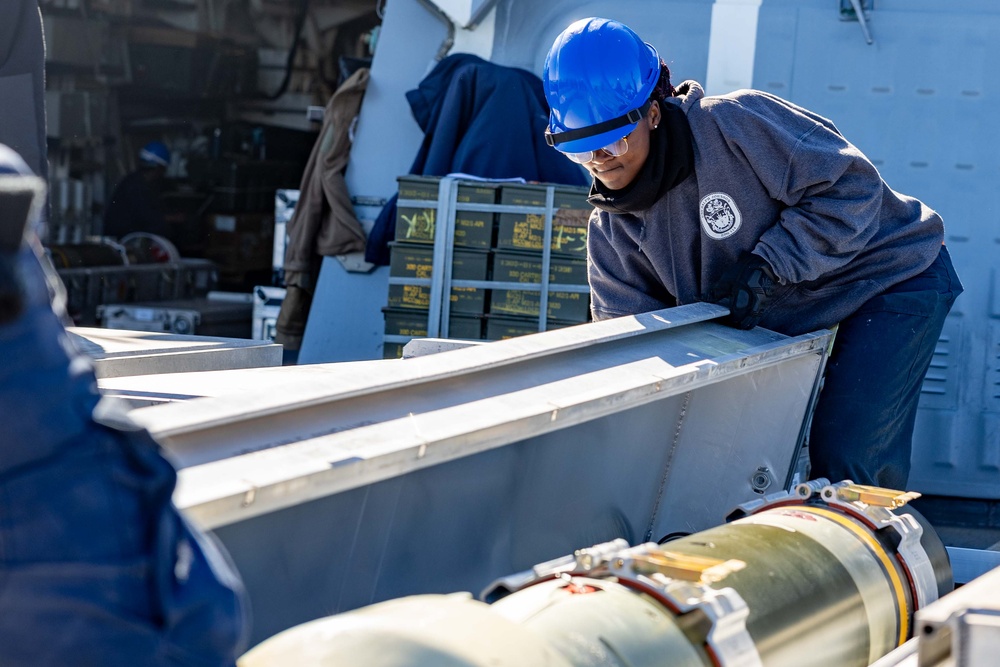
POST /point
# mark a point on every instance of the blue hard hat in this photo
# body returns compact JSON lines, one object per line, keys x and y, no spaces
{"x":155,"y":153}
{"x":598,"y":78}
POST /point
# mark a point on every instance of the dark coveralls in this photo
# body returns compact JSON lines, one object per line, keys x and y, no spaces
{"x":874,"y":444}
{"x":134,"y":207}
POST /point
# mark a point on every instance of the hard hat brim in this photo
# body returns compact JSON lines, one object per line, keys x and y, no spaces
{"x":597,"y":141}
{"x":152,"y":160}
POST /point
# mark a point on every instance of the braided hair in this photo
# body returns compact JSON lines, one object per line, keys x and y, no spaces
{"x":664,"y":88}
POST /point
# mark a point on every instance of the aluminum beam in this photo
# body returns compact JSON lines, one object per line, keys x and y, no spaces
{"x":292,"y":442}
{"x":116,"y":353}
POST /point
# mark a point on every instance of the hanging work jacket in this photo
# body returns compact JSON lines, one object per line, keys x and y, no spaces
{"x":323,"y":223}
{"x":482,"y":119}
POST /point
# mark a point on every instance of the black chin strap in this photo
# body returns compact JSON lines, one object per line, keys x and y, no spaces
{"x":633,"y":116}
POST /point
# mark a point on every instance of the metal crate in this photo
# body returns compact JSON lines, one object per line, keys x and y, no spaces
{"x":90,"y":287}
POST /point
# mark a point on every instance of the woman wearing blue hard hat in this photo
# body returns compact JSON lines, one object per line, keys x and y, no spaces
{"x":748,"y":200}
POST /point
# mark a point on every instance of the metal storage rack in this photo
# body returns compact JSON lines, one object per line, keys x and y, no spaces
{"x":89,"y":287}
{"x":441,"y":282}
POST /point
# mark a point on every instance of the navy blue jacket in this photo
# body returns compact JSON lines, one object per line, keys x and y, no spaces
{"x":482,"y":119}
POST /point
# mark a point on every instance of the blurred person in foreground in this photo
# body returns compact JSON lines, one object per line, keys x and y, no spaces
{"x":97,"y":566}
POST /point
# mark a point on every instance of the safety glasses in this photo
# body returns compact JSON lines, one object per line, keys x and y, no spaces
{"x":616,"y":149}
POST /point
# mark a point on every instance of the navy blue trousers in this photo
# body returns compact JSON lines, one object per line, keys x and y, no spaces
{"x":862,"y":428}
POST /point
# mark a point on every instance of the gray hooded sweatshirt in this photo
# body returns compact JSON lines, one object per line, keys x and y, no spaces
{"x":772,"y":178}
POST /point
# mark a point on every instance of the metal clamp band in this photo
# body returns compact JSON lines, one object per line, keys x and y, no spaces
{"x":912,"y":555}
{"x":728,"y":642}
{"x":680,"y":583}
{"x":873,"y":506}
{"x":591,"y":561}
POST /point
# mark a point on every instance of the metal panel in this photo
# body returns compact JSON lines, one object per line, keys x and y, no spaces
{"x":940,"y":387}
{"x":116,"y":353}
{"x":460,"y":524}
{"x":991,"y":390}
{"x":921,"y":103}
{"x":372,"y":480}
{"x":967,"y":564}
{"x":679,"y":29}
{"x":445,"y":406}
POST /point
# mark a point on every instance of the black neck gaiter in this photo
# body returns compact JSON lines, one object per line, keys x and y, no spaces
{"x":670,"y":161}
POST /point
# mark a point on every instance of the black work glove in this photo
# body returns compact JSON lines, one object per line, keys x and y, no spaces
{"x":745,"y":288}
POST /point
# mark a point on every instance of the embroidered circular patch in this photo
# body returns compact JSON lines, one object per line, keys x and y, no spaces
{"x":719,"y":215}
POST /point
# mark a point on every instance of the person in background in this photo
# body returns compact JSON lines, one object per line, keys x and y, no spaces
{"x":135,"y":203}
{"x":752,"y":202}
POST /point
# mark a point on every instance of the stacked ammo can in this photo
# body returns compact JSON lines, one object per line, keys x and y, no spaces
{"x":491,"y":266}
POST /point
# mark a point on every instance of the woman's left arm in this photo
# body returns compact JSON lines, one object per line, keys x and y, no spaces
{"x":832,"y":192}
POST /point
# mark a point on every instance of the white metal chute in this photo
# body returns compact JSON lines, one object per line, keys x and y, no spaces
{"x":335,"y":486}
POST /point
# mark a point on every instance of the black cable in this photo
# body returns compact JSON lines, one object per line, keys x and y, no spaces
{"x":300,"y":22}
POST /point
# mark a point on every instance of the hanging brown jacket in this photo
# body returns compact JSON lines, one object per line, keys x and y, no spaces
{"x":323,"y":223}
